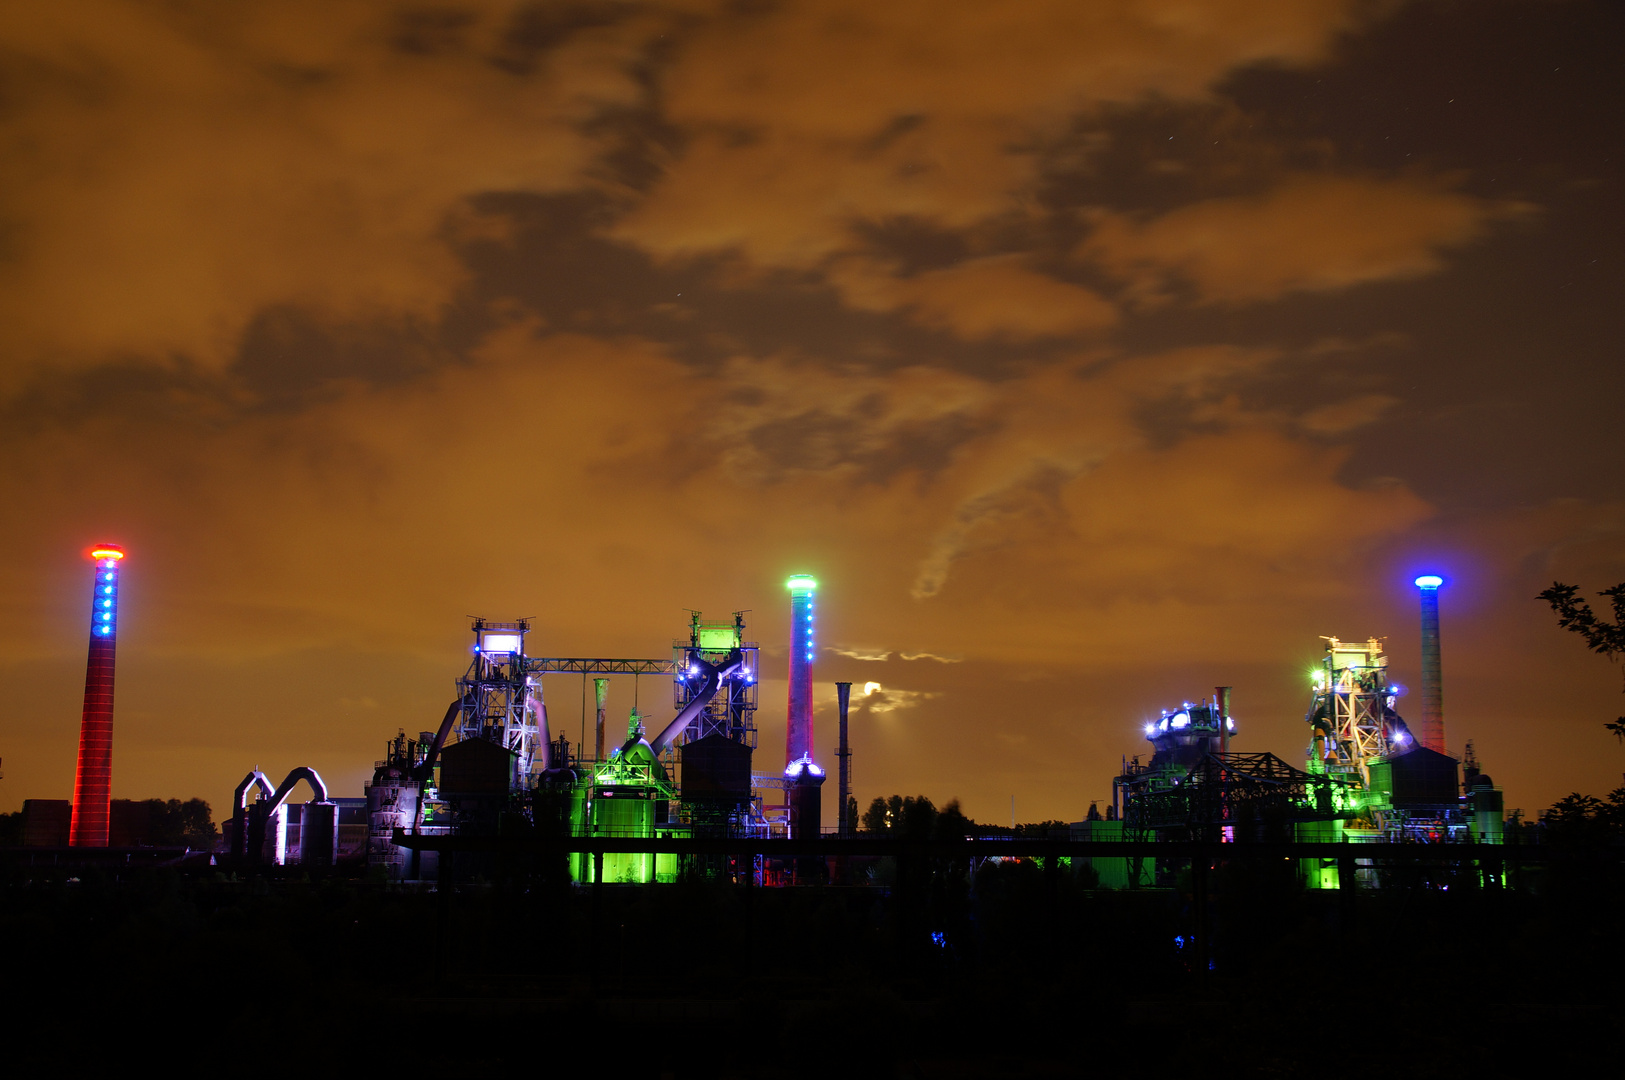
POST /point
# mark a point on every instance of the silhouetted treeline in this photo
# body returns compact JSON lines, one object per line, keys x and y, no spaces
{"x":167,"y":823}
{"x":917,"y":818}
{"x":1584,"y":820}
{"x":141,"y":823}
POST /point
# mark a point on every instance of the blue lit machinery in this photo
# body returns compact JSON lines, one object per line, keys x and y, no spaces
{"x":1196,"y":787}
{"x":732,"y":712}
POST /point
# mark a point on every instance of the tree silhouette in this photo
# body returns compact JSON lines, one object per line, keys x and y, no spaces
{"x":1600,"y":635}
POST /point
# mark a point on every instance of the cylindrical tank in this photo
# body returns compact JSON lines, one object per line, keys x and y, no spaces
{"x":268,"y":833}
{"x":392,"y":803}
{"x":1487,"y":805}
{"x":806,"y":817}
{"x":625,"y":810}
{"x":318,"y":834}
{"x":806,"y":805}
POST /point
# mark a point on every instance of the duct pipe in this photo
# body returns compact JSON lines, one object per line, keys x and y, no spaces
{"x":1221,"y":695}
{"x":239,"y":814}
{"x":715,"y":676}
{"x":601,"y":690}
{"x":843,"y":693}
{"x":1430,"y":732}
{"x":544,"y":736}
{"x":424,"y":772}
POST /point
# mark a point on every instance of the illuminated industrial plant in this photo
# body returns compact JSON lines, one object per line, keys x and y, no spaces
{"x":1367,"y":777}
{"x":500,"y":766}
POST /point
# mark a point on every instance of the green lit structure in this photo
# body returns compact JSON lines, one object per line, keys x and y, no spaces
{"x":495,"y":768}
{"x":1366,"y":778}
{"x":628,"y":794}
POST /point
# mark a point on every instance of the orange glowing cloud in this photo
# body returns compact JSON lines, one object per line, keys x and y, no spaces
{"x":1308,"y":234}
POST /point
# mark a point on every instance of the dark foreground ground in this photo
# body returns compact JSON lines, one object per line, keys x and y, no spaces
{"x":1018,"y":974}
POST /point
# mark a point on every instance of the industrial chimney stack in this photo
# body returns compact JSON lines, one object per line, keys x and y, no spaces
{"x":1430,"y":732}
{"x":798,"y":741}
{"x":93,"y":779}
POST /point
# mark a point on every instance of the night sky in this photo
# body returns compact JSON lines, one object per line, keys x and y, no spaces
{"x":1090,"y":354}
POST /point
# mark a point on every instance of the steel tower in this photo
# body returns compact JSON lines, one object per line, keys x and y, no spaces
{"x":1351,"y":716}
{"x":501,"y":701}
{"x":93,"y":778}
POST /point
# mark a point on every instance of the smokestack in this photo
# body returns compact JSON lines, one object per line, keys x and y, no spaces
{"x":1430,"y":732}
{"x":1221,"y":695}
{"x":798,"y":741}
{"x":93,"y":778}
{"x":601,"y":689}
{"x":843,"y":693}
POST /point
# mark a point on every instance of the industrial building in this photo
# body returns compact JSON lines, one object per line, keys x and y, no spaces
{"x":501,"y":764}
{"x":1367,"y":776}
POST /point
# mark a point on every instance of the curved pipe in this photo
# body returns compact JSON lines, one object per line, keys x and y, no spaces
{"x":538,"y":711}
{"x":305,"y":773}
{"x":239,"y":814}
{"x":714,"y":678}
{"x":253,"y":779}
{"x":426,"y":770}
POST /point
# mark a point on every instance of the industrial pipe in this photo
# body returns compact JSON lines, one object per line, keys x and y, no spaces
{"x":843,"y":754}
{"x":239,"y":813}
{"x":426,"y":769}
{"x":305,"y":773}
{"x":601,"y":692}
{"x":714,"y":678}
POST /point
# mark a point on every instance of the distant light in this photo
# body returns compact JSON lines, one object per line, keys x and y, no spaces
{"x":1429,"y":581}
{"x":109,"y":552}
{"x":1230,"y":722}
{"x":1399,"y":737}
{"x":1150,"y":730}
{"x":1181,"y":719}
{"x":801,"y":583}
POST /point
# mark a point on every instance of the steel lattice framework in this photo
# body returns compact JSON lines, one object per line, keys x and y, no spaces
{"x":1247,"y":793}
{"x":732,"y":713}
{"x":498,"y":702}
{"x":1349,"y":708}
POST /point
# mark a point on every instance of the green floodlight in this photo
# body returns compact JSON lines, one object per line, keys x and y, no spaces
{"x":802,"y":583}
